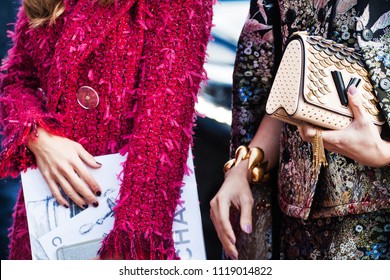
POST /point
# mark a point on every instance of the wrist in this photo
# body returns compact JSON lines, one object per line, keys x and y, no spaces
{"x":238,"y":169}
{"x":35,"y":135}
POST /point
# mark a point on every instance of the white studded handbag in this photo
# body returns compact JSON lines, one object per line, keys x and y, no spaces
{"x":312,"y":81}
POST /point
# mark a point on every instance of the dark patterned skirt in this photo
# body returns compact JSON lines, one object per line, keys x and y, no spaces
{"x":364,"y":236}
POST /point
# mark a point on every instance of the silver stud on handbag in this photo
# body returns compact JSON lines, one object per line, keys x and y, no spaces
{"x":312,"y":81}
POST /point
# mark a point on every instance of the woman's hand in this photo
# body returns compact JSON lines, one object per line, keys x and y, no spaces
{"x":62,"y":164}
{"x":360,"y":141}
{"x":235,"y":192}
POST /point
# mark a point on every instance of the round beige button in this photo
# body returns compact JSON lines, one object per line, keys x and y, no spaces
{"x":87,"y":97}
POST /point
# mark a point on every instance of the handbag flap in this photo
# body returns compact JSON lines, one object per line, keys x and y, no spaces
{"x":330,"y":67}
{"x":287,"y":82}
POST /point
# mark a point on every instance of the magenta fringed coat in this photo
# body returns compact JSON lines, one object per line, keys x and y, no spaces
{"x":144,"y":60}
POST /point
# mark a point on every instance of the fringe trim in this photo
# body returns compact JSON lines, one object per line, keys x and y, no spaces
{"x":19,"y":246}
{"x":125,"y":243}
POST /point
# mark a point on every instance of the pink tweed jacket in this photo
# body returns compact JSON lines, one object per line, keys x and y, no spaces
{"x":144,"y":60}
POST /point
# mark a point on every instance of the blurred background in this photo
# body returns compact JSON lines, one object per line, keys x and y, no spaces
{"x":212,"y":134}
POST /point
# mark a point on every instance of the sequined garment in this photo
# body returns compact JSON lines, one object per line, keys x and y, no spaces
{"x":144,"y":60}
{"x":347,"y":195}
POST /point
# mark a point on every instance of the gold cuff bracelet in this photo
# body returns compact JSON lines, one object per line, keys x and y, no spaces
{"x":257,"y":169}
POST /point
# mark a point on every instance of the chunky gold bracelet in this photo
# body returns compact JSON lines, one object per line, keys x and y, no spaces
{"x":257,"y":169}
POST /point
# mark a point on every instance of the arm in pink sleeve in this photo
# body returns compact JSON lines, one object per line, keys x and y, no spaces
{"x":22,"y":103}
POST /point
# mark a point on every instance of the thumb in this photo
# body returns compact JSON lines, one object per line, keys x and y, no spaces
{"x":356,"y":104}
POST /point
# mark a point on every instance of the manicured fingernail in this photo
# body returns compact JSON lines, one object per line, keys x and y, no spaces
{"x":95,"y":204}
{"x":233,"y":256}
{"x":231,"y":241}
{"x":98,"y":193}
{"x":352,"y":90}
{"x":248,"y":228}
{"x":99,"y":163}
{"x":66,"y":205}
{"x":85,"y":206}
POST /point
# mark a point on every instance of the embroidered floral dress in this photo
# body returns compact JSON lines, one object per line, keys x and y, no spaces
{"x":343,"y":215}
